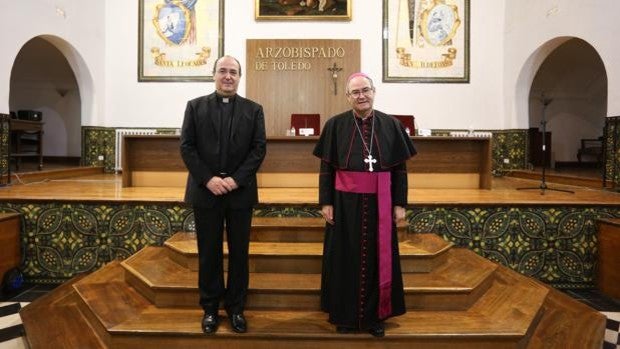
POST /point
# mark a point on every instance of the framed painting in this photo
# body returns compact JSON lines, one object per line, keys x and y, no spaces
{"x":179,"y":40}
{"x":426,"y":41}
{"x":330,"y":10}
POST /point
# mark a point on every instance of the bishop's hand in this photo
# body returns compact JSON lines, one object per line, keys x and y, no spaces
{"x":328,"y":213}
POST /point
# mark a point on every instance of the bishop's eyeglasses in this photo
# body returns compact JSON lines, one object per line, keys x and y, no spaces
{"x":366,"y":91}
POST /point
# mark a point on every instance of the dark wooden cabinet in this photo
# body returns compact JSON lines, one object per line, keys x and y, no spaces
{"x":536,"y":141}
{"x":26,"y":141}
{"x":10,"y":245}
{"x":608,"y":266}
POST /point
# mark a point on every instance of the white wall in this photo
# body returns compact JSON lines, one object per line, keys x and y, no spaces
{"x":102,"y":48}
{"x":41,"y":79}
{"x":76,"y":28}
{"x":533,"y":28}
{"x":130,"y":103}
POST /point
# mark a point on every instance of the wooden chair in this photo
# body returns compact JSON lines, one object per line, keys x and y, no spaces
{"x":408,"y":121}
{"x":591,"y":147}
{"x":306,"y":121}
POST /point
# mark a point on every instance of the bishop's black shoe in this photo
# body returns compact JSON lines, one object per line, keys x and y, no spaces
{"x":344,"y":329}
{"x":238,"y":323}
{"x":209,"y":323}
{"x":377,"y":331}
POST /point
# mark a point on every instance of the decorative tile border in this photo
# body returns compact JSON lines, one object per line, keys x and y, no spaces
{"x":556,"y":245}
{"x":98,"y":141}
{"x":60,"y":240}
{"x":4,"y":148}
{"x":612,"y":151}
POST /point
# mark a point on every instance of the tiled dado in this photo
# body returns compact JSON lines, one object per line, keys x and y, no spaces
{"x":556,"y":245}
{"x":4,"y":148}
{"x":507,"y":144}
{"x":612,"y":151}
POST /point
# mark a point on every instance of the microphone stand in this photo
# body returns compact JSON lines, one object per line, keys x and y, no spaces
{"x":543,"y":184}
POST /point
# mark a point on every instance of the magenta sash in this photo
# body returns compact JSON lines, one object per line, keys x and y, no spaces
{"x":379,"y":183}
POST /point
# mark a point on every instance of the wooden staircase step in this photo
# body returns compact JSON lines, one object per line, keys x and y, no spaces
{"x":567,"y":323}
{"x":452,"y":287}
{"x":440,"y":329}
{"x":419,"y":253}
{"x":55,"y":320}
{"x":295,"y":229}
{"x":455,"y":285}
{"x":102,"y":291}
{"x":514,"y":312}
{"x":287,"y":229}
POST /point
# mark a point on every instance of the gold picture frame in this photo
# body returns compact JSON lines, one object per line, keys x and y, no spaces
{"x":426,"y":41}
{"x":179,"y":40}
{"x":324,"y":10}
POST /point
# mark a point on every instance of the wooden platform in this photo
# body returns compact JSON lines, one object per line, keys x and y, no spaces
{"x":108,"y":188}
{"x":463,"y":301}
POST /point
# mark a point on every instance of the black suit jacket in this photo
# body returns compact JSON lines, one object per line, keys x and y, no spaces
{"x":201,"y":154}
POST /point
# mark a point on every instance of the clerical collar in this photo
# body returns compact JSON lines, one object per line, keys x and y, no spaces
{"x":225,"y":99}
{"x":372,"y":113}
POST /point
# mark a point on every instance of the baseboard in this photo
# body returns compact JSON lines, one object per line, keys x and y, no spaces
{"x":67,"y":160}
{"x":577,"y":164}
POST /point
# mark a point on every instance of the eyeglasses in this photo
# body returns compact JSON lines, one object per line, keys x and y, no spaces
{"x":366,"y":91}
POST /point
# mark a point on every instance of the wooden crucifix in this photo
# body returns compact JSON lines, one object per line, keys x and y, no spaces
{"x":334,"y":70}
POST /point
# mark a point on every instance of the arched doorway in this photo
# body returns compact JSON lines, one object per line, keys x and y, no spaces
{"x":572,"y":81}
{"x":43,"y":80}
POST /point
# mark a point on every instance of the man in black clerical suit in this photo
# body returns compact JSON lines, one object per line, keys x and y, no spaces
{"x":362,"y":193}
{"x":223,"y":144}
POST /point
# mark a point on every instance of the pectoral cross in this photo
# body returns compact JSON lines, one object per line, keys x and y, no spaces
{"x":369,"y":160}
{"x":334,"y":70}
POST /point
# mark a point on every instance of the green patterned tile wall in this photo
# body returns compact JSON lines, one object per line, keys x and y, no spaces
{"x":60,"y":240}
{"x":4,"y":148}
{"x":556,"y":245}
{"x":98,"y":141}
{"x":612,"y":151}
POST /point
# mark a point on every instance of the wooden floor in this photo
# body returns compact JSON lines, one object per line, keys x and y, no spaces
{"x":107,"y":187}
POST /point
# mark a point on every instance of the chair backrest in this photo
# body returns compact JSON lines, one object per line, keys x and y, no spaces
{"x":306,"y":121}
{"x":408,"y":122}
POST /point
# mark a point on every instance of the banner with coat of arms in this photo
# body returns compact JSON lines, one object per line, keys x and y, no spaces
{"x":179,"y":40}
{"x":426,"y":41}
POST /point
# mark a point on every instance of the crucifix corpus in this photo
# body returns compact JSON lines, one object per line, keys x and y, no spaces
{"x":334,"y":70}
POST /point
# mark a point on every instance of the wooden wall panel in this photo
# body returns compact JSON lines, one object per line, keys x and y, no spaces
{"x":291,"y":76}
{"x":608,"y":268}
{"x":10,"y":243}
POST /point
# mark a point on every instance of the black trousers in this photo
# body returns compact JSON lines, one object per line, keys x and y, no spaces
{"x":209,"y":235}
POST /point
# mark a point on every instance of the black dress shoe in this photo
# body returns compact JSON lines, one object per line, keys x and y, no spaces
{"x":344,"y":329}
{"x":209,"y":323}
{"x":238,"y":323}
{"x":377,"y":331}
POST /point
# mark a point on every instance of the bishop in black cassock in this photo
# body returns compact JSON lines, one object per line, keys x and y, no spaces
{"x":362,"y":191}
